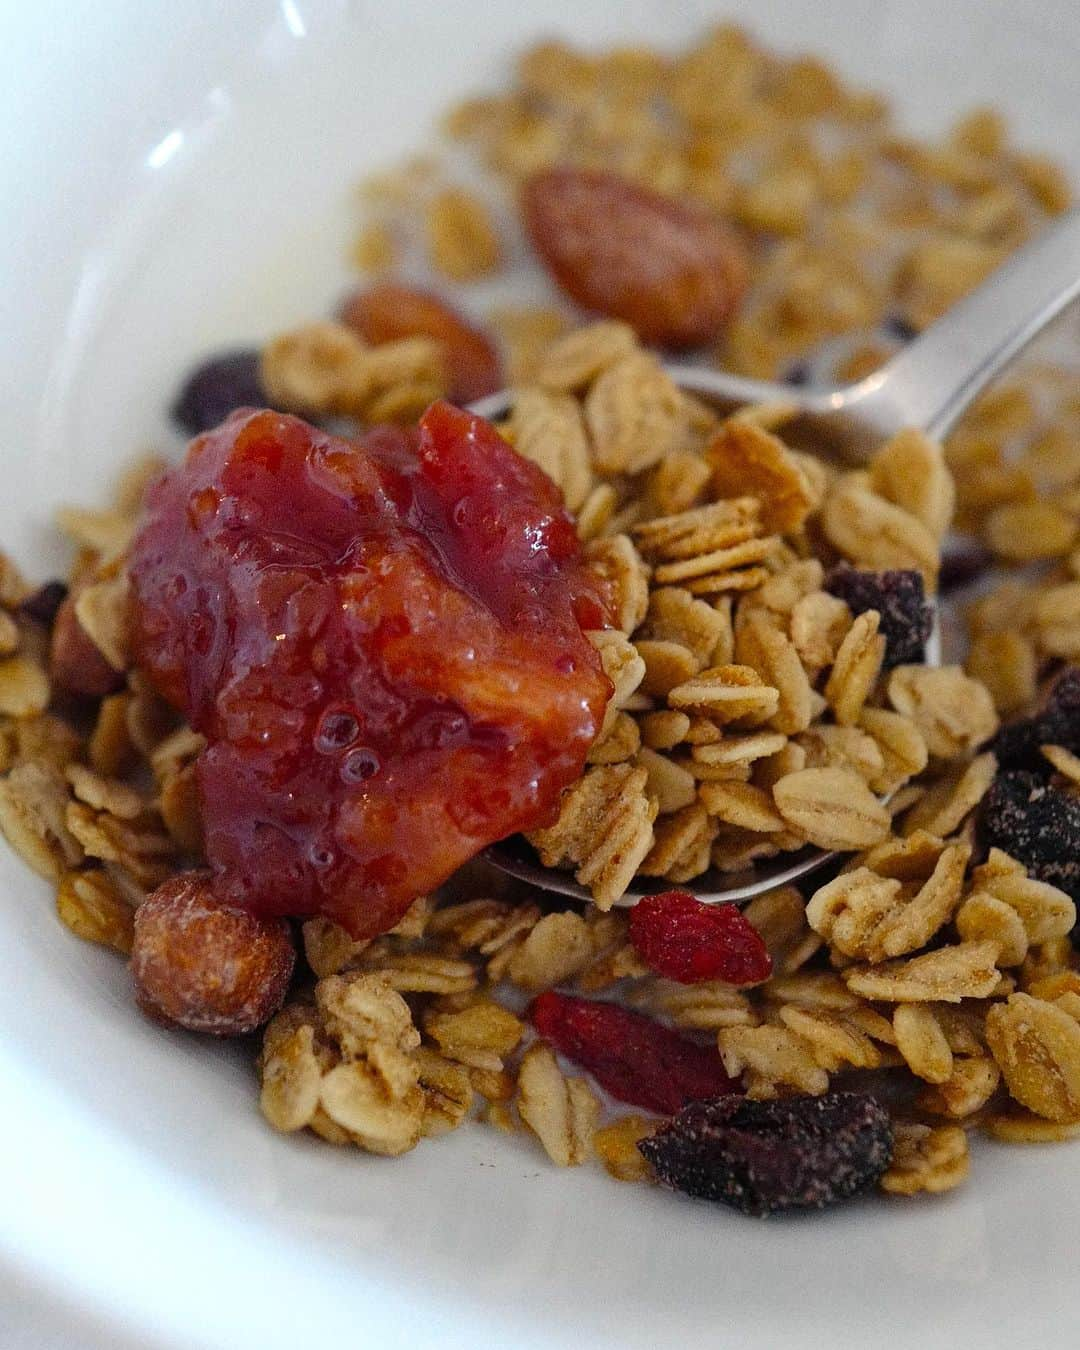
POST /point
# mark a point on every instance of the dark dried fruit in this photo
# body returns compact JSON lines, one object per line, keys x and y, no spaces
{"x":669,"y":269}
{"x":767,"y":1157}
{"x":962,"y":562}
{"x":634,"y":1058}
{"x":75,"y":664}
{"x":1036,"y":824}
{"x":899,"y":597}
{"x":897,"y":326}
{"x":1058,"y":723}
{"x":218,"y":387}
{"x":200,"y":964}
{"x":42,"y":606}
{"x":683,"y":939}
{"x":388,"y":312}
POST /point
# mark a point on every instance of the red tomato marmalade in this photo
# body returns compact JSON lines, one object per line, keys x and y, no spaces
{"x":382,"y":641}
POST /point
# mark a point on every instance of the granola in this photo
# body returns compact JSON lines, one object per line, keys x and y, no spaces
{"x":754,"y":709}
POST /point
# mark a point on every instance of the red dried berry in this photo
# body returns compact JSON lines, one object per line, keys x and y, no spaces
{"x":670,"y":269}
{"x":634,"y":1058}
{"x":765,"y":1157}
{"x":685,"y":940}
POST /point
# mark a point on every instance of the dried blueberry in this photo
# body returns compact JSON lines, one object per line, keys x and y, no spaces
{"x":897,"y":326}
{"x":217,"y":387}
{"x":764,"y":1157}
{"x":42,"y":605}
{"x":962,"y":562}
{"x":1037,"y":824}
{"x":798,"y":373}
{"x":900,"y":599}
{"x":1058,"y":723}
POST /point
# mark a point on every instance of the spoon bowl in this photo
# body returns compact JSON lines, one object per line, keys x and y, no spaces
{"x":929,"y":384}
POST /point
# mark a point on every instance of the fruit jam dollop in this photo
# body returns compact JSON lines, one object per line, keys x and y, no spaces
{"x":383,"y":642}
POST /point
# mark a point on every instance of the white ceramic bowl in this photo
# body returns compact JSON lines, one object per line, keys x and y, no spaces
{"x":174,"y":176}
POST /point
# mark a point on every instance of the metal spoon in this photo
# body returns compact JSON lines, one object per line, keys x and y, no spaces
{"x":929,"y":384}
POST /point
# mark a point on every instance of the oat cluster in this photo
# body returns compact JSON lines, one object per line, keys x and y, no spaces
{"x":753,"y":712}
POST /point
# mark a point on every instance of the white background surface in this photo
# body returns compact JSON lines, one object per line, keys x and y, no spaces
{"x":175,"y":175}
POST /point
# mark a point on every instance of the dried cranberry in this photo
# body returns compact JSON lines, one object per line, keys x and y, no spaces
{"x":685,"y":940}
{"x":42,"y":606}
{"x":766,"y":1157}
{"x":218,"y":387}
{"x":899,"y":597}
{"x":634,"y":1058}
{"x":1037,"y":824}
{"x":1017,"y":745}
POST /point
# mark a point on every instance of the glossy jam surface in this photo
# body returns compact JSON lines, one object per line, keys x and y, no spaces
{"x":382,"y":641}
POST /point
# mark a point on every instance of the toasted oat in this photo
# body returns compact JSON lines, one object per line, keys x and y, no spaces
{"x":1037,"y":1046}
{"x":480,"y":1035}
{"x":910,"y":472}
{"x":706,"y":1006}
{"x":727,"y":694}
{"x":102,"y":611}
{"x":1022,"y":1127}
{"x":604,"y":828}
{"x":1064,"y":761}
{"x":559,"y":947}
{"x":34,"y":800}
{"x":856,"y":668}
{"x":922,"y":1041}
{"x":563,"y":1113}
{"x":291,"y":1081}
{"x":92,"y":905}
{"x":832,"y":808}
{"x":617,"y":561}
{"x":871,"y":532}
{"x":967,"y":970}
{"x":771,"y":1057}
{"x":764,"y":648}
{"x":447,"y":1089}
{"x":1047,"y":913}
{"x":378,"y":1115}
{"x":983,"y":916}
{"x":548,"y":429}
{"x":575,"y":360}
{"x":677,"y":483}
{"x":926,"y":1158}
{"x":818,"y":625}
{"x":967,"y":1089}
{"x":1023,"y":532}
{"x":954,"y":713}
{"x":24,"y":687}
{"x":747,"y":460}
{"x":427,"y":973}
{"x":462,"y":240}
{"x":674,"y":615}
{"x":682,"y":845}
{"x":1007,"y":665}
{"x":1057,"y":619}
{"x":836,"y":1043}
{"x":634,"y":414}
{"x":616,"y":1146}
{"x":672,"y":786}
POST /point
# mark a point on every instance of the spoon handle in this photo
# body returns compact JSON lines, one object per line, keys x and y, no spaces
{"x":933,"y":380}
